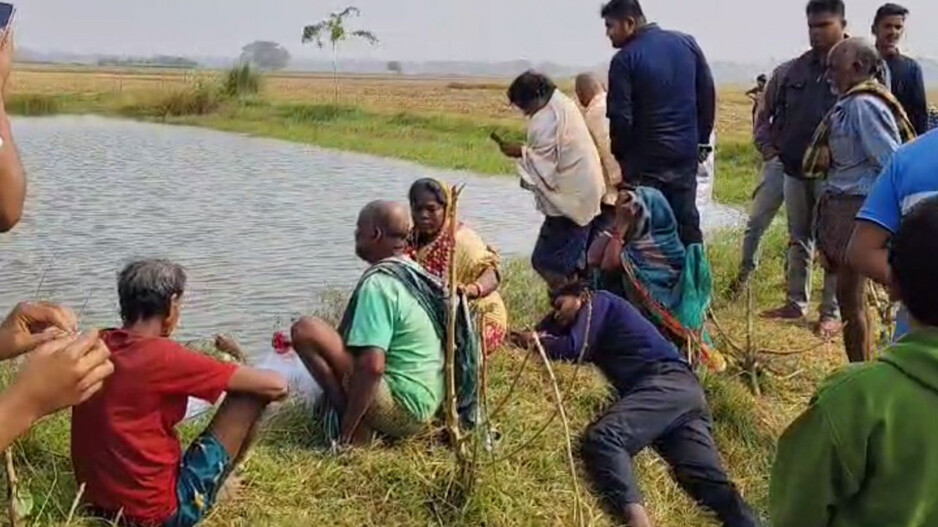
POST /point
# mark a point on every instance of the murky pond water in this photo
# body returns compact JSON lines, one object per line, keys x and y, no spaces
{"x":262,"y":226}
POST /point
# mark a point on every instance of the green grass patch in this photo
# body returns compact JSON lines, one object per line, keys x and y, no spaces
{"x":33,"y":104}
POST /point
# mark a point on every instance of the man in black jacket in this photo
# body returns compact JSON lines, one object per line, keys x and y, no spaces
{"x":661,"y":107}
{"x":905,"y":74}
{"x":793,"y":110}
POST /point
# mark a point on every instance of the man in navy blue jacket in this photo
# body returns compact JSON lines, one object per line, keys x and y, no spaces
{"x":905,"y":74}
{"x":661,"y":108}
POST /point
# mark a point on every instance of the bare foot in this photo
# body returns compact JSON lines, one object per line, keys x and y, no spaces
{"x":229,"y":346}
{"x":829,"y":328}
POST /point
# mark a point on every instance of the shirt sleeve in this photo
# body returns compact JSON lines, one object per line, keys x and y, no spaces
{"x":809,"y":476}
{"x":566,"y":344}
{"x":187,"y":373}
{"x":877,"y":129}
{"x":619,"y":109}
{"x":706,"y":96}
{"x":882,"y":206}
{"x":373,"y":321}
{"x":918,"y":113}
{"x":762,"y":131}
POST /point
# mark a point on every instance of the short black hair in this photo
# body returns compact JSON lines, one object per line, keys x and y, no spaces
{"x":530,"y":86}
{"x":429,"y":186}
{"x":833,"y":7}
{"x":146,"y":289}
{"x":573,"y":288}
{"x":912,"y":257}
{"x":762,"y":78}
{"x":622,"y":9}
{"x":888,"y":10}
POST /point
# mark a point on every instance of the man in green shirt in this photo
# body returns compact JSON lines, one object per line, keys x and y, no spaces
{"x":383,"y":369}
{"x":864,"y":453}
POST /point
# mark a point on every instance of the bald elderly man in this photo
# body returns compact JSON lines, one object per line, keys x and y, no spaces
{"x":592,"y":96}
{"x":853,"y":144}
{"x":382,"y":370}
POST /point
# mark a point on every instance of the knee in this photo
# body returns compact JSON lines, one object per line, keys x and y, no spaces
{"x":308,"y":331}
{"x":598,"y":442}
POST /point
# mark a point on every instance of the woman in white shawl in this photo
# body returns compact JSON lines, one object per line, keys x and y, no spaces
{"x":560,"y":165}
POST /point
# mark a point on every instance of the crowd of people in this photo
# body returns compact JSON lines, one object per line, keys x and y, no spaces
{"x":621,"y":253}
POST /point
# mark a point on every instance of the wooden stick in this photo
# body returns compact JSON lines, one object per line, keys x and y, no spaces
{"x":12,"y":488}
{"x":578,"y":516}
{"x":452,"y":419}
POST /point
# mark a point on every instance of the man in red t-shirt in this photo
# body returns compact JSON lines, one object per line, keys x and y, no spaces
{"x":124,"y":444}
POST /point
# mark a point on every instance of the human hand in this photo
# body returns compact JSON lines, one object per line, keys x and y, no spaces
{"x":31,"y":324}
{"x":625,"y":212}
{"x":703,"y":152}
{"x":521,"y":339}
{"x":63,"y":372}
{"x":471,"y":291}
{"x":6,"y":58}
{"x":513,"y":150}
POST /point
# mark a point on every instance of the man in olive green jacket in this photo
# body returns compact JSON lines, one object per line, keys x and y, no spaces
{"x":865,"y":453}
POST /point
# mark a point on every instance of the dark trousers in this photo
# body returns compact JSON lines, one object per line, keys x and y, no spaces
{"x":681,"y":192}
{"x":666,"y":410}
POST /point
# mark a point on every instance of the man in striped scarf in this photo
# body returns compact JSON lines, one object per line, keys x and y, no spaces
{"x":851,"y":146}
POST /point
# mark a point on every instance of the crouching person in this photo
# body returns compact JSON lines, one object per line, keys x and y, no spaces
{"x":124,"y":446}
{"x":382,"y":371}
{"x":660,"y":404}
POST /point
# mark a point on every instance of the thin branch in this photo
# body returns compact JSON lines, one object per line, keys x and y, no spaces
{"x":367,"y":35}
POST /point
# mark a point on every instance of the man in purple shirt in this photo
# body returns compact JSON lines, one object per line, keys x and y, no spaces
{"x":661,"y":404}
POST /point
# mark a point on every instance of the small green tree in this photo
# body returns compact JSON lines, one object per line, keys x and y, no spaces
{"x":332,"y":29}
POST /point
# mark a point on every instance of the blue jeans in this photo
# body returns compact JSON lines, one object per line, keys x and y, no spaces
{"x":766,"y":201}
{"x":801,"y":198}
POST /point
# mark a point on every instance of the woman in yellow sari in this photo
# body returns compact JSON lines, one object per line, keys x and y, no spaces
{"x":476,"y":264}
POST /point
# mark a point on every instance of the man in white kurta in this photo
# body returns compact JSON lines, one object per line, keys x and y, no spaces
{"x":592,"y":95}
{"x":561,"y":166}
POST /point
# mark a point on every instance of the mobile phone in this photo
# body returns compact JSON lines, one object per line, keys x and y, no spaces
{"x":497,"y":138}
{"x":6,"y":14}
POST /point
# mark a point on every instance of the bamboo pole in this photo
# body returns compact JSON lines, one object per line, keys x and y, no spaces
{"x":12,"y":489}
{"x":579,"y":518}
{"x":452,"y":419}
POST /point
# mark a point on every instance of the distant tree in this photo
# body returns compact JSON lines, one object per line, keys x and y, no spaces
{"x":265,"y":55}
{"x":395,"y":66}
{"x":332,"y":30}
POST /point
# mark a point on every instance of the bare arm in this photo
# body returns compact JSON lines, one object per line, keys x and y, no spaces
{"x":261,"y":383}
{"x":868,"y":252}
{"x":12,"y":174}
{"x":487,"y":284}
{"x":363,"y":386}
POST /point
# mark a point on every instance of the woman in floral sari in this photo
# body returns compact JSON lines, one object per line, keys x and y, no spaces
{"x":476,"y":264}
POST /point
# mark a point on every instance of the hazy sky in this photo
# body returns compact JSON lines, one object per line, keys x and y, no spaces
{"x":563,"y":31}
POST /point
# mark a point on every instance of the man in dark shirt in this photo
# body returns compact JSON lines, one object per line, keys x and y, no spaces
{"x":905,"y":74}
{"x":660,"y":404}
{"x":796,"y":101}
{"x":661,"y":107}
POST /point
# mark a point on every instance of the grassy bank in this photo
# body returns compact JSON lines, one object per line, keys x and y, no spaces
{"x":288,"y":481}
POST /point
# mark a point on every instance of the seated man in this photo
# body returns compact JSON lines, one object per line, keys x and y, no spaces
{"x":661,"y":404}
{"x":642,"y":259}
{"x":382,"y":371}
{"x":864,"y":452}
{"x":124,"y":446}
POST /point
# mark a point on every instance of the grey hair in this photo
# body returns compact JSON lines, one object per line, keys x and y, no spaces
{"x":147,"y":288}
{"x":864,"y":54}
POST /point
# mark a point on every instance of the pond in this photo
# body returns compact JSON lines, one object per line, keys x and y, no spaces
{"x":263,"y":227}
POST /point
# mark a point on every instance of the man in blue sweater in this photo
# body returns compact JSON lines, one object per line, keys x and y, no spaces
{"x":659,"y":404}
{"x":661,"y":108}
{"x":905,"y":75}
